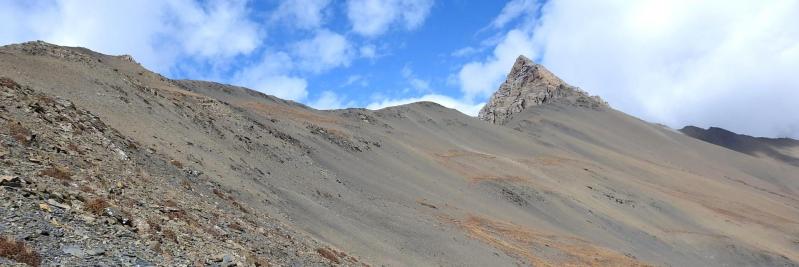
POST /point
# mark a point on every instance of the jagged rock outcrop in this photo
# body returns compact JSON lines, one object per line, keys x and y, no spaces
{"x":530,"y":84}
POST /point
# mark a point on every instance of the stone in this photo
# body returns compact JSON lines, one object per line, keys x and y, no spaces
{"x":529,"y":84}
{"x":96,"y":251}
{"x":118,"y":215}
{"x":10,"y":181}
{"x":74,"y":251}
{"x":55,"y":203}
{"x":45,"y":207}
{"x":141,"y":226}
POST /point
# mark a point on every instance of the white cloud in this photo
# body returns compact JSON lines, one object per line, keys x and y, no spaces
{"x":513,"y":10}
{"x":465,"y":107}
{"x":221,"y":29}
{"x":156,"y":33}
{"x":304,"y":14}
{"x":330,"y":100}
{"x":721,"y":63}
{"x":355,"y":79}
{"x":466,"y":51}
{"x":368,"y":51}
{"x":374,"y":17}
{"x":415,"y":82}
{"x":270,"y":76}
{"x":324,"y":51}
{"x":481,"y":78}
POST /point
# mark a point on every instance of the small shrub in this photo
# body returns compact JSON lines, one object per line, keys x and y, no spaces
{"x":261,"y":262}
{"x":236,"y":226}
{"x":20,"y":133}
{"x":176,"y":163}
{"x":177,"y":215}
{"x":97,"y":206}
{"x":170,"y":235}
{"x":58,"y":173}
{"x":239,"y":206}
{"x":86,"y":189}
{"x":6,"y":82}
{"x":170,"y":203}
{"x":327,"y":254}
{"x":73,"y":147}
{"x":185,"y":184}
{"x":19,"y":252}
{"x":154,"y":226}
{"x":219,"y":193}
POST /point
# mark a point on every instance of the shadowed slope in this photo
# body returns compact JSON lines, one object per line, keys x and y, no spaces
{"x":780,"y":149}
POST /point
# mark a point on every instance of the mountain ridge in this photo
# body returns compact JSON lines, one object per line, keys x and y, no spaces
{"x":232,"y":177}
{"x":780,"y":149}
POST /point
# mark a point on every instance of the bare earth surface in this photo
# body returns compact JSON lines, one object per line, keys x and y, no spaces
{"x":199,"y":173}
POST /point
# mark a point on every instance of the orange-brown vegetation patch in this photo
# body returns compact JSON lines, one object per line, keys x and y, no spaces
{"x":478,"y":167}
{"x":18,"y":251}
{"x":176,"y":163}
{"x":453,"y":153}
{"x":97,"y":206}
{"x":6,"y":82}
{"x":548,"y":161}
{"x":60,"y":173}
{"x":328,"y":254}
{"x":19,"y":133}
{"x":537,"y":248}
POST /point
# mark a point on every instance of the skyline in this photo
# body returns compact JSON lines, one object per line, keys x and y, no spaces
{"x":677,"y":63}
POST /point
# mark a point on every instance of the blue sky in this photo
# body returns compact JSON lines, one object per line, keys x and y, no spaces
{"x":708,"y":63}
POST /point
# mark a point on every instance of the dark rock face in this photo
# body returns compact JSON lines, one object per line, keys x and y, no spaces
{"x":775,"y":148}
{"x":529,"y":84}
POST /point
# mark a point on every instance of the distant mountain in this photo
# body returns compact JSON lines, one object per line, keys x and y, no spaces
{"x":103,"y":162}
{"x":780,"y":149}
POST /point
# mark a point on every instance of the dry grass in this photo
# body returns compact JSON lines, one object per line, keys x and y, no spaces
{"x":6,"y":82}
{"x":97,"y":206}
{"x":186,"y":184}
{"x":527,"y":244}
{"x":154,"y":226}
{"x":20,"y":133}
{"x":18,"y":251}
{"x":169,"y":235}
{"x":176,"y":163}
{"x":170,"y":203}
{"x":86,"y":189}
{"x":327,"y":254}
{"x":236,"y":226}
{"x":60,"y":173}
{"x":239,"y":206}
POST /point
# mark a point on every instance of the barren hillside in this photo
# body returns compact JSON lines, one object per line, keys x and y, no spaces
{"x":105,"y":162}
{"x":779,"y":149}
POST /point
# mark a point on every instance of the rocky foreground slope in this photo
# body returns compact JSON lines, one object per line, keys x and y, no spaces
{"x":105,"y":162}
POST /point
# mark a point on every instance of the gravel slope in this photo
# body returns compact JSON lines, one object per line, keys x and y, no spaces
{"x":413,"y":185}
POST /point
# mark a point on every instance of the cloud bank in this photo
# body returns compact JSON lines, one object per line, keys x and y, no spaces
{"x":723,"y":63}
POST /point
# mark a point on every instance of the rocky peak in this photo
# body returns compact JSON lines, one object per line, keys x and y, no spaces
{"x":529,"y":84}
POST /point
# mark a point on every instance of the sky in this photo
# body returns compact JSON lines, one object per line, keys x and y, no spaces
{"x":731,"y":64}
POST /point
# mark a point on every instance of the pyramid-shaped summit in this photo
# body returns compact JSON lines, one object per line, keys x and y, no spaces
{"x":529,"y":84}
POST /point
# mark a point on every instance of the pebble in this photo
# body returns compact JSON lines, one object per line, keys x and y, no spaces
{"x":74,"y":251}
